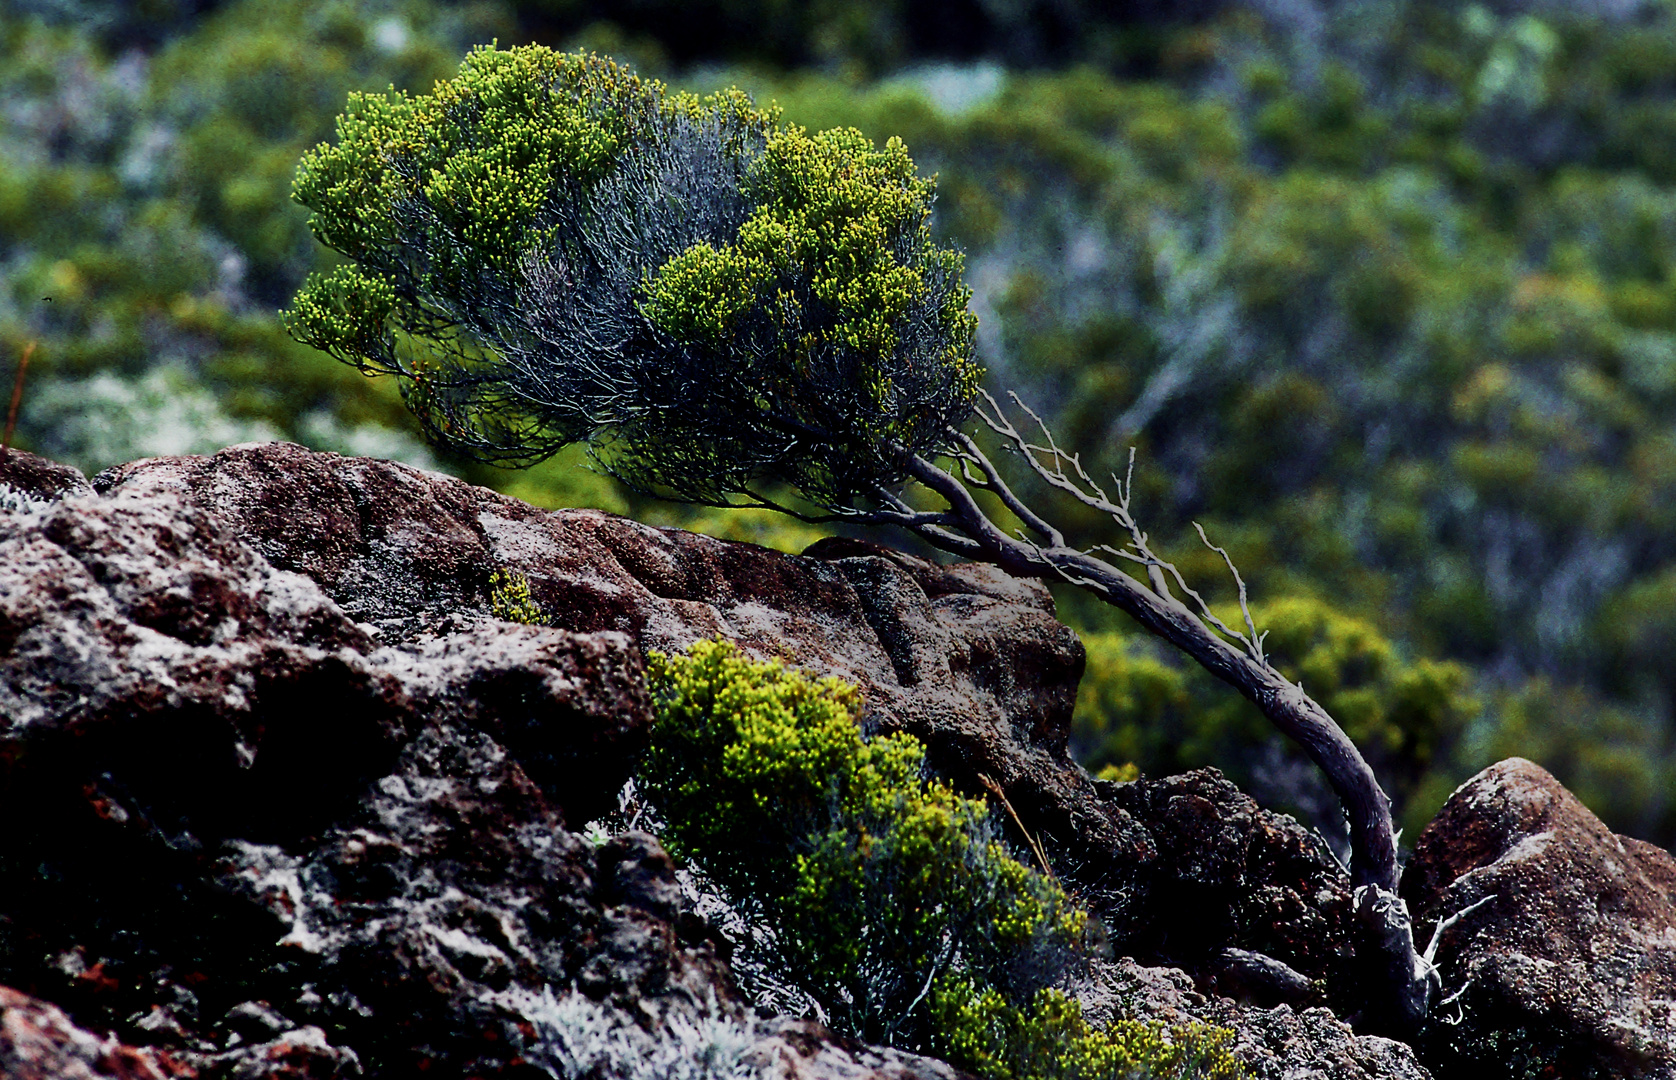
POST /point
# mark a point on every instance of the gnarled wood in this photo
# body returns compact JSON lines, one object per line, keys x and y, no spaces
{"x":1399,"y":979}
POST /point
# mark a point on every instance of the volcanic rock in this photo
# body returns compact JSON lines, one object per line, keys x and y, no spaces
{"x":805,"y":1050}
{"x":1567,"y":966}
{"x":300,"y":804}
{"x":1249,"y":901}
{"x":966,"y":658}
{"x":254,"y":842}
{"x":1277,"y":1043}
{"x":38,"y":1042}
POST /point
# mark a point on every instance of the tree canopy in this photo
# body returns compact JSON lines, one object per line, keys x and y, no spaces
{"x":548,"y":249}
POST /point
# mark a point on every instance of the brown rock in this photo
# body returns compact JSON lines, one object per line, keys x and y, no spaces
{"x":285,"y":775}
{"x":234,"y":823}
{"x":38,"y":1042}
{"x":1231,"y":877}
{"x":39,"y":479}
{"x":1568,"y":968}
{"x":133,"y":625}
{"x":249,"y":820}
{"x":966,"y":658}
{"x":1277,"y":1043}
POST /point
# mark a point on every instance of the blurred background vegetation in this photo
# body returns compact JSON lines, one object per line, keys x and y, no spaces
{"x":1381,"y":293}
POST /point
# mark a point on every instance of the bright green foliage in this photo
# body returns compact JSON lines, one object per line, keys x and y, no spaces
{"x":1127,"y":700}
{"x":873,"y":880}
{"x":547,"y":249}
{"x":1398,"y":711}
{"x":1047,"y":1038}
{"x":1126,"y":773}
{"x":484,"y":152}
{"x":830,"y":210}
{"x":509,"y":598}
{"x":460,"y":181}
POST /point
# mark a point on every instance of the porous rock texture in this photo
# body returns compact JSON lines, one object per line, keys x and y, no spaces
{"x":38,"y":1042}
{"x":968,"y":659}
{"x":1568,"y":966}
{"x":1277,"y":1043}
{"x":1235,"y":887}
{"x":297,"y":804}
{"x":245,"y":839}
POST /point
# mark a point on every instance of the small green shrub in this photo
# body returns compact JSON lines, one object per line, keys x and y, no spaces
{"x":889,"y":899}
{"x":1048,"y":1039}
{"x":509,"y":598}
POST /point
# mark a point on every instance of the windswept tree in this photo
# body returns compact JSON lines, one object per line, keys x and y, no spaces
{"x":548,"y":250}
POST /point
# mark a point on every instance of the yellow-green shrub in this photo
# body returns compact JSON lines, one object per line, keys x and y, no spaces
{"x":873,"y":880}
{"x":1047,"y":1038}
{"x":509,"y":598}
{"x":890,"y":901}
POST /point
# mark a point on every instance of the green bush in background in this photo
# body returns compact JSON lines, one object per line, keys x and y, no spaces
{"x":1135,"y":706}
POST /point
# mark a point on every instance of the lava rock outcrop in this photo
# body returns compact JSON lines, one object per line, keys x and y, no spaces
{"x":1563,"y":960}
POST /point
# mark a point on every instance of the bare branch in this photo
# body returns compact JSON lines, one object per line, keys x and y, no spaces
{"x":1445,"y":925}
{"x":1081,"y":487}
{"x":1233,"y":656}
{"x":993,"y":482}
{"x":1253,"y":642}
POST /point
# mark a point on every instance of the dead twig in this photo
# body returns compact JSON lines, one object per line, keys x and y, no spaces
{"x":1041,"y":856}
{"x":17,"y":399}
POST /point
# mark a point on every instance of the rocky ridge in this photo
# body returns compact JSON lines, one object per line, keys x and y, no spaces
{"x":303,"y":807}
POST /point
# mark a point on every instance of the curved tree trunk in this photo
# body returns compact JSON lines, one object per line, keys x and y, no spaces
{"x":1399,"y":981}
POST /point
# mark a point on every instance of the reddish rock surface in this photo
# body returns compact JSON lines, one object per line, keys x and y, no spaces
{"x":259,"y":839}
{"x":1568,"y":969}
{"x":1230,"y":874}
{"x":298,"y":805}
{"x":968,"y":659}
{"x":38,"y":1042}
{"x":805,"y":1050}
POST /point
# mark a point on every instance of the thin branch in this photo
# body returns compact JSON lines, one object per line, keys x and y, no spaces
{"x":943,"y":957}
{"x":992,"y":481}
{"x":1080,"y":486}
{"x":17,"y":399}
{"x":1448,"y":924}
{"x":1036,"y":848}
{"x":1254,"y":642}
{"x":1235,"y":657}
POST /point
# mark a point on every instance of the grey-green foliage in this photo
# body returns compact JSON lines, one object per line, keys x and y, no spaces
{"x":575,"y":1037}
{"x":547,"y":249}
